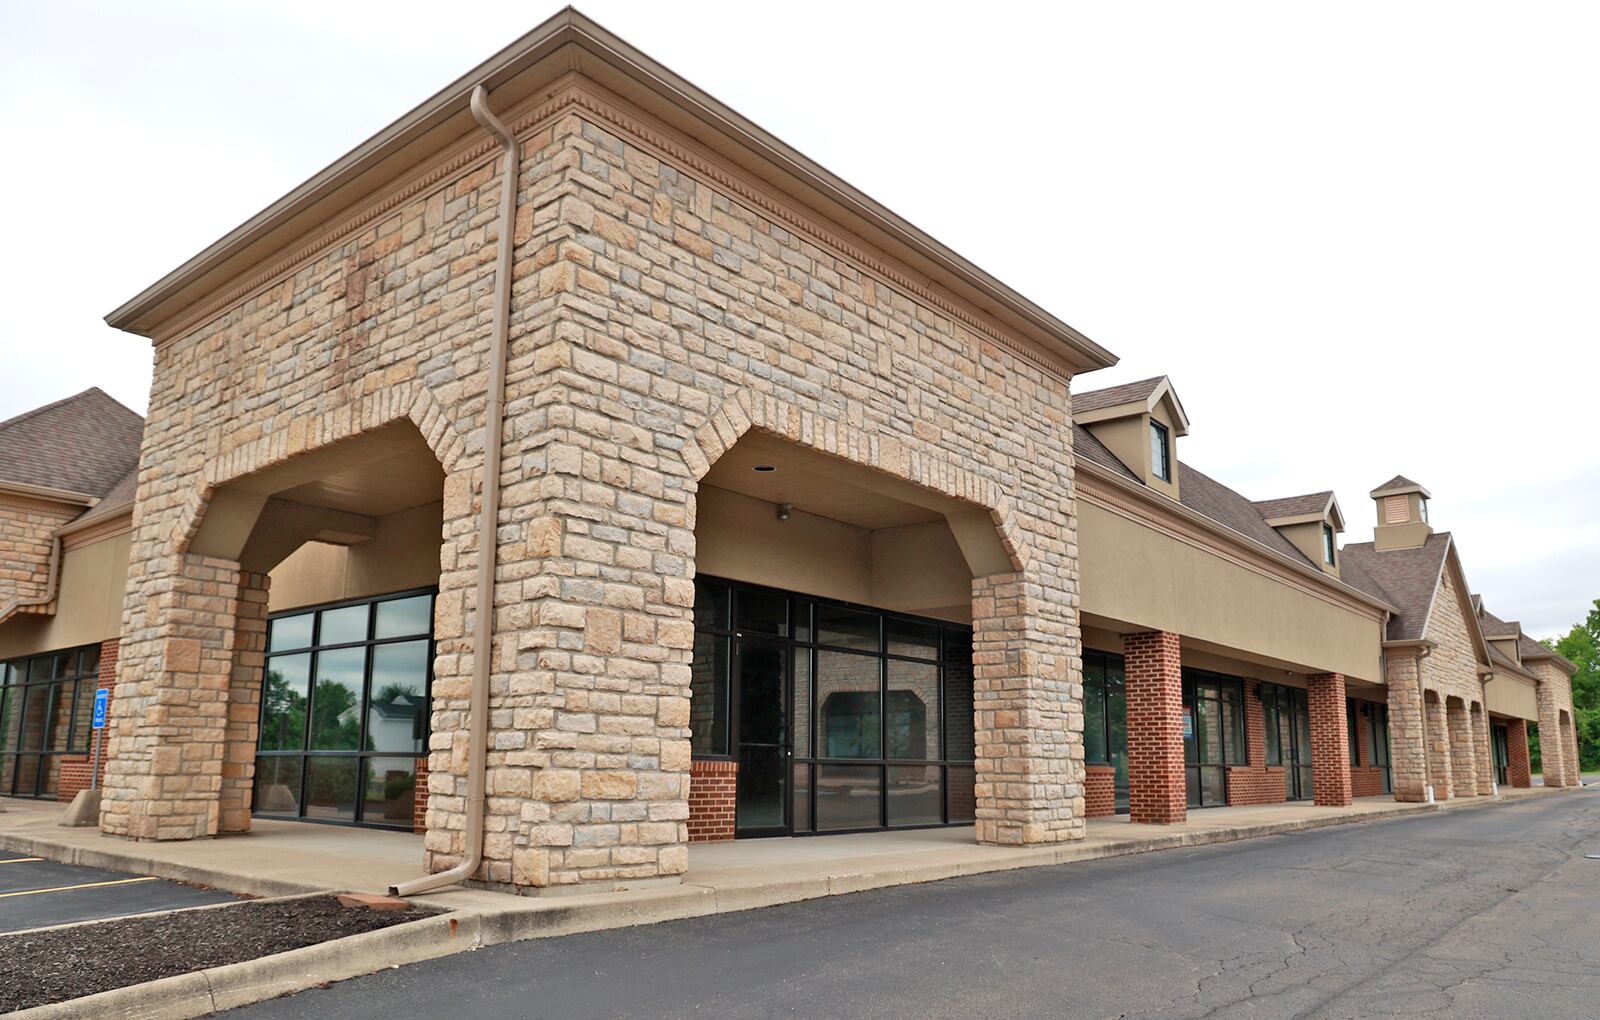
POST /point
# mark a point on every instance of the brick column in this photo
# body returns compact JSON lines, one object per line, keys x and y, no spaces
{"x":1158,"y":789}
{"x":1330,"y":740}
{"x":1482,"y":750}
{"x":1520,"y":771}
{"x":1552,"y":756}
{"x":1028,"y":716}
{"x":1408,"y":752}
{"x":168,"y":737}
{"x":1438,"y":739}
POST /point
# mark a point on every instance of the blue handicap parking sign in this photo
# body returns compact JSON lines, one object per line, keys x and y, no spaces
{"x":101,"y":698}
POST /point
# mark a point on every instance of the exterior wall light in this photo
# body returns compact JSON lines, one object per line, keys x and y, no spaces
{"x":784,"y":510}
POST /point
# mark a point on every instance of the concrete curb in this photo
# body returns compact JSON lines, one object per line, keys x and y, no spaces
{"x":192,"y":995}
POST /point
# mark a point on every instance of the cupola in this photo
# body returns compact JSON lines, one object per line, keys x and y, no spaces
{"x":1312,"y":522}
{"x":1140,"y":423}
{"x":1402,"y":514}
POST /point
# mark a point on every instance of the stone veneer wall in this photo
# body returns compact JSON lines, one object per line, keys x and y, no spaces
{"x":26,"y":527}
{"x":1452,"y":670}
{"x":662,"y":308}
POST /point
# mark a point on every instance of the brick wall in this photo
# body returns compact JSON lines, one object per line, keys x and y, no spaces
{"x":419,"y":798}
{"x":1519,"y":771}
{"x":1099,"y":791}
{"x":1256,"y":782}
{"x":1366,"y":779}
{"x":76,"y":770}
{"x":1158,"y":789}
{"x":713,"y":789}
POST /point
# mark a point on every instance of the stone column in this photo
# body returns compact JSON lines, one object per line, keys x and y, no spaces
{"x":1463,"y":749}
{"x":1330,"y":740}
{"x":1569,"y":745}
{"x":1482,"y":750}
{"x":164,"y":777}
{"x":1520,"y":771}
{"x":1408,"y":755}
{"x":244,"y":703}
{"x":1028,"y":717}
{"x":1552,"y":756}
{"x":1158,"y":789}
{"x":1438,"y":738}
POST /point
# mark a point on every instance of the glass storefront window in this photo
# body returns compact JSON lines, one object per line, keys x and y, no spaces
{"x":344,"y":711}
{"x":46,"y":705}
{"x":874,"y":711}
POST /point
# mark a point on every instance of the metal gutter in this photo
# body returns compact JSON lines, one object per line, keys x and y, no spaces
{"x":488,"y":516}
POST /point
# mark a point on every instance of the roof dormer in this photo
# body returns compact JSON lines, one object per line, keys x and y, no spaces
{"x":1402,"y":514}
{"x":1140,"y":423}
{"x":1504,"y":636}
{"x":1313,"y":522}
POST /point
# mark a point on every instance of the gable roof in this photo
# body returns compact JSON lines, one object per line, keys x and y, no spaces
{"x":1144,"y":394}
{"x":1493,"y":626}
{"x":84,"y":444}
{"x":1528,"y":648}
{"x":1503,"y":662}
{"x":524,"y":71}
{"x":1294,"y":506}
{"x":1086,"y":446}
{"x":1407,"y":578}
{"x":1399,"y":484}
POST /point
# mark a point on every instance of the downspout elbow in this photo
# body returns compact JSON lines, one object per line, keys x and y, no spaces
{"x":488,"y":519}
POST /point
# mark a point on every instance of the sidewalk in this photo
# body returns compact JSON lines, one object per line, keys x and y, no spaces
{"x":281,"y":858}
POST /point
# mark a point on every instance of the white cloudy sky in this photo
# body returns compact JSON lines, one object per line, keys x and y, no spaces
{"x":1361,"y":238}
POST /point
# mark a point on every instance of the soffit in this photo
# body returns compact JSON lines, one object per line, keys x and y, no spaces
{"x":826,"y":486}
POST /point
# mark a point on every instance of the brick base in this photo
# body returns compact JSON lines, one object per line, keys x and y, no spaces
{"x":419,"y":797}
{"x":1519,"y":773}
{"x":713,"y":788}
{"x":1366,"y":782}
{"x":1255,"y":784}
{"x":1099,"y":791}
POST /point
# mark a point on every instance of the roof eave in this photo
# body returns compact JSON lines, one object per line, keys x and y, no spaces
{"x":567,"y":42}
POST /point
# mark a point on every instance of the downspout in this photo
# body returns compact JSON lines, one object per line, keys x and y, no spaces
{"x":52,"y":582}
{"x":488,"y":518}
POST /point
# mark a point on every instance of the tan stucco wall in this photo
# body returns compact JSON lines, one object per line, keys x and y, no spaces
{"x":915,"y":568}
{"x":88,"y":604}
{"x":1512,"y":696}
{"x":1137,"y":575}
{"x":403,"y":554}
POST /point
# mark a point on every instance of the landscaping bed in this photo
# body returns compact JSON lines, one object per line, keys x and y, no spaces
{"x":67,"y":963}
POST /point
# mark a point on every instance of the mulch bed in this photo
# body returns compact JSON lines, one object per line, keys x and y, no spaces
{"x":54,"y":966}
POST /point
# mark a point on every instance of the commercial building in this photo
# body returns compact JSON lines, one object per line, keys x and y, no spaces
{"x":577,"y":460}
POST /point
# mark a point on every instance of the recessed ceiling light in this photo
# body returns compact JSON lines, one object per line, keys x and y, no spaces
{"x":764,"y":468}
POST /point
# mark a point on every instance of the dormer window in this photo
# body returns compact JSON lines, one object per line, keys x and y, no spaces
{"x":1160,"y":451}
{"x":1330,"y":547}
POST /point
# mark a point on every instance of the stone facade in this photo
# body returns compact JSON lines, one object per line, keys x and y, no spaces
{"x":662,"y":308}
{"x":26,"y":527}
{"x":1408,"y":734}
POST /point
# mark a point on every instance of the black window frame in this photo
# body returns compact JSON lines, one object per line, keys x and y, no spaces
{"x":305,"y":753}
{"x":1163,"y":469}
{"x":1330,"y":545}
{"x":801,"y":636}
{"x":1097,"y":667}
{"x":17,"y":694}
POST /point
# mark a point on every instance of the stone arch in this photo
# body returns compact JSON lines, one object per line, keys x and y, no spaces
{"x":386,"y":405}
{"x":891,"y":455}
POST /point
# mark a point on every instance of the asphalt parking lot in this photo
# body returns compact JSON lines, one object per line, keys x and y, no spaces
{"x":35,"y":893}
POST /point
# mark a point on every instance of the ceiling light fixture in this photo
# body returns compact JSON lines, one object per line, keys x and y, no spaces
{"x":765,"y":469}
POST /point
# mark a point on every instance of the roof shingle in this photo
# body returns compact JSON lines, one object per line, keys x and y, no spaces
{"x":1407,"y":578}
{"x":86,"y":443}
{"x":1127,"y":393}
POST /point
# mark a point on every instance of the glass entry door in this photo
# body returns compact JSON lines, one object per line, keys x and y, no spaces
{"x":1379,"y":717}
{"x":759,"y":808}
{"x":1502,"y":755}
{"x":1287,"y":718}
{"x":1213,"y":734}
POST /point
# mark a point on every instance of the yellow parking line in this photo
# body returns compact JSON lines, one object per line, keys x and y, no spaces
{"x":86,"y":885}
{"x":21,"y":860}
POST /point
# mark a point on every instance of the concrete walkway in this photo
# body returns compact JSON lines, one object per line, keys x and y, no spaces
{"x":281,"y":858}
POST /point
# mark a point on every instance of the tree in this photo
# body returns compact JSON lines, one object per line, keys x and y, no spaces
{"x":1581,"y":645}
